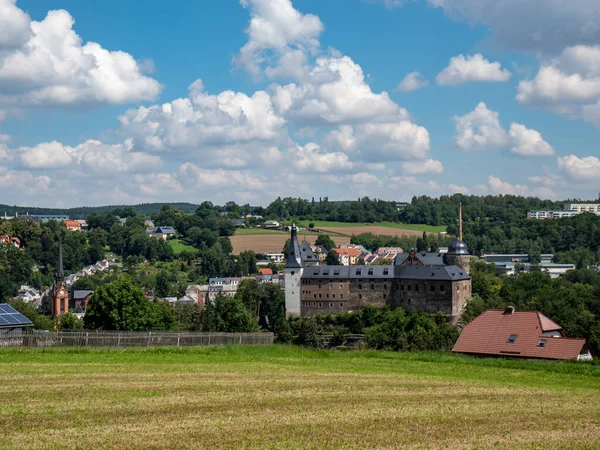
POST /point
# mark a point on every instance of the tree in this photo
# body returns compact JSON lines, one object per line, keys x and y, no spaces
{"x":332,"y":259}
{"x":70,"y":321}
{"x":325,"y":241}
{"x":121,"y":305}
{"x":286,"y":248}
{"x":229,"y":315}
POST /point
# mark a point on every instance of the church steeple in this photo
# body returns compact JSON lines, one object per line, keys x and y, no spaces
{"x":460,"y":228}
{"x":60,"y":274}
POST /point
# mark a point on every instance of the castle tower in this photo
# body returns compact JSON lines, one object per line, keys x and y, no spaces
{"x":59,"y":301}
{"x":293,"y":276}
{"x":458,"y":252}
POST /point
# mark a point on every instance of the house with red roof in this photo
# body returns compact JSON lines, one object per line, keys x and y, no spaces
{"x":519,"y":334}
{"x":6,"y":239}
{"x":73,"y":225}
{"x":265,"y":271}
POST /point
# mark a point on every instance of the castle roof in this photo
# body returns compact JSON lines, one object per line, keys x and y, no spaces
{"x":439,"y":273}
{"x":458,"y":247}
{"x":294,"y":258}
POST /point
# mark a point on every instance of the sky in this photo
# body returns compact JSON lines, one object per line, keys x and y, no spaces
{"x":123,"y":102}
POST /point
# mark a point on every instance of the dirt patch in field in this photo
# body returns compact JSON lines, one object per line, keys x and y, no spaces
{"x":377,"y":230}
{"x":272,"y":243}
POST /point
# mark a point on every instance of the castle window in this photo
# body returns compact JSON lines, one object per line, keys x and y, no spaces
{"x":320,"y":305}
{"x":327,"y":295}
{"x":336,"y":272}
{"x":315,"y":295}
{"x":409,"y":287}
{"x":332,"y":295}
{"x":417,"y":287}
{"x":401,"y":286}
{"x":360,"y":296}
{"x":341,"y":305}
{"x":385,"y":286}
{"x":370,"y":272}
{"x":341,"y":286}
{"x":331,"y":305}
{"x":386,"y":271}
{"x":442,"y":288}
{"x":432,"y":288}
{"x":319,"y":295}
{"x":330,"y":285}
{"x":360,"y":286}
{"x":372,"y":286}
{"x":385,"y":296}
{"x":326,"y":272}
{"x":358,"y":272}
{"x":341,"y":295}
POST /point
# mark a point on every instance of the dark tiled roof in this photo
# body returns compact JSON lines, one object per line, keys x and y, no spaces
{"x":294,"y":258}
{"x":165,"y":230}
{"x":430,"y":272}
{"x":80,"y":295}
{"x":307,"y":255}
{"x":489,"y":334}
{"x":426,"y":258}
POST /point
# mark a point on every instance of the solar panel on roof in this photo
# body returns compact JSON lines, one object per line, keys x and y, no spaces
{"x":10,"y":317}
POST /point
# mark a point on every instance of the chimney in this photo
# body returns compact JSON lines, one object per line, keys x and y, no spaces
{"x":509,"y":310}
{"x":460,"y":228}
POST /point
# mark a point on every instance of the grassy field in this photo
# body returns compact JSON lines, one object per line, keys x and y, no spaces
{"x":286,"y":397}
{"x":179,"y":246}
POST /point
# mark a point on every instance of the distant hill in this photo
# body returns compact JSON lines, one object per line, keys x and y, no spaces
{"x":85,"y":211}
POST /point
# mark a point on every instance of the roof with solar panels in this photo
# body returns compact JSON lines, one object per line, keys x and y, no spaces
{"x":11,"y":318}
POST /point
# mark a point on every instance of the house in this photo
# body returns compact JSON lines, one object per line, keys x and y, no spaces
{"x":72,"y":225}
{"x":160,"y":232}
{"x":518,"y":334}
{"x":81,"y":299}
{"x":265,"y":271}
{"x":148,"y":223}
{"x":6,"y":239}
{"x":48,"y":217}
{"x":508,"y":263}
{"x":29,"y":294}
{"x":12,"y":320}
{"x":238,"y":223}
{"x":271,"y":225}
{"x":275,"y":258}
{"x":348,"y":256}
{"x":82,"y":223}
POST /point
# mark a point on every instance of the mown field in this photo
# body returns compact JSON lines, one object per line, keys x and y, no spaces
{"x":287,"y":397}
{"x":274,"y":243}
{"x":179,"y":246}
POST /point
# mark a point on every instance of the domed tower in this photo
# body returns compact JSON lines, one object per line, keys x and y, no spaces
{"x":458,"y":252}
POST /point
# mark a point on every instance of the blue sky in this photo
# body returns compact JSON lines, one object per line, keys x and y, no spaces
{"x":127,"y":102}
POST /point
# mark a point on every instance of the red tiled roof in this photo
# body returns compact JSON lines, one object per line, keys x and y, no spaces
{"x":72,"y":223}
{"x":265,"y":271}
{"x":488,"y":335}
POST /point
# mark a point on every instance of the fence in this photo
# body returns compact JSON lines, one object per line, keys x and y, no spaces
{"x":116,"y":339}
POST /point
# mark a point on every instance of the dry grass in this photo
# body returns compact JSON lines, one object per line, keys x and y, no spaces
{"x":281,"y":397}
{"x":375,"y":229}
{"x":272,"y":243}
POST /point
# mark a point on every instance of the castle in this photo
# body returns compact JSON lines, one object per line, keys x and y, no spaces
{"x":431,"y":282}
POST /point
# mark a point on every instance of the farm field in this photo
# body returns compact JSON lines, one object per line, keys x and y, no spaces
{"x":288,"y":397}
{"x":273,"y":243}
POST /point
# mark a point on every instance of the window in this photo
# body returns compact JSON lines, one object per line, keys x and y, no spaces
{"x":315,"y":295}
{"x":336,"y":272}
{"x":409,"y":287}
{"x":319,"y":295}
{"x":432,"y":288}
{"x":402,"y":287}
{"x":360,"y":286}
{"x":385,"y":296}
{"x":417,"y":287}
{"x":370,"y":272}
{"x":386,"y":271}
{"x":327,"y":295}
{"x":326,"y":272}
{"x":372,"y":286}
{"x":332,"y":295}
{"x":358,"y":272}
{"x":320,"y":305}
{"x":442,"y":288}
{"x":341,"y":295}
{"x":331,"y":305}
{"x":385,"y":286}
{"x":542,"y":343}
{"x":62,"y":305}
{"x":341,"y":286}
{"x":511,"y":339}
{"x":360,"y":296}
{"x":341,"y":305}
{"x":330,"y":285}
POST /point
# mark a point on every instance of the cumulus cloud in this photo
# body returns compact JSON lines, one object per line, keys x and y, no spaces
{"x":46,"y":63}
{"x":430,"y":166}
{"x":277,"y":27}
{"x":527,"y":142}
{"x":580,"y":170}
{"x":471,"y":68}
{"x":91,"y":155}
{"x":568,"y":84}
{"x":498,"y":186}
{"x":412,"y":82}
{"x":195,"y":176}
{"x":481,"y":130}
{"x":312,"y":158}
{"x":203,"y":121}
{"x":531,"y":25}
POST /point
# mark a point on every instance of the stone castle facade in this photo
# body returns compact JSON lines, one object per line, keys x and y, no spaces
{"x":430,"y":282}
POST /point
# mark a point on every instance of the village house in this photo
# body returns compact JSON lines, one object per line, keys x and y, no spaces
{"x":12,"y":321}
{"x":160,"y":232}
{"x":29,"y":294}
{"x":81,"y":299}
{"x":271,"y":225}
{"x":6,"y":239}
{"x":519,"y":334}
{"x":72,"y":225}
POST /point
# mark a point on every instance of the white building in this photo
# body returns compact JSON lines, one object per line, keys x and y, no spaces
{"x":569,"y":210}
{"x":275,"y":258}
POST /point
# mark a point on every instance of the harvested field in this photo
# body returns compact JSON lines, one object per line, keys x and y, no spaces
{"x":375,"y":229}
{"x":287,"y":397}
{"x":273,"y":243}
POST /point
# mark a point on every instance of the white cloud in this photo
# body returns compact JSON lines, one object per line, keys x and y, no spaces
{"x":532,"y":25}
{"x":429,"y":166}
{"x":194,"y":176}
{"x":364,"y":178}
{"x":568,"y":84}
{"x":471,"y":68}
{"x":527,"y":142}
{"x":580,"y":170}
{"x":202,"y":121}
{"x":412,"y":82}
{"x":45,"y":63}
{"x":91,"y":156}
{"x":480,"y":130}
{"x":457,"y":189}
{"x":505,"y":188}
{"x":276,"y":26}
{"x":312,"y":158}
